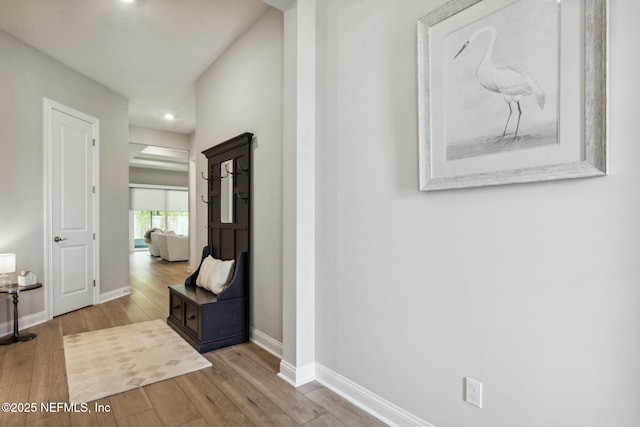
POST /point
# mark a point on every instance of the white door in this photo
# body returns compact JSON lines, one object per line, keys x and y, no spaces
{"x":72,"y":229}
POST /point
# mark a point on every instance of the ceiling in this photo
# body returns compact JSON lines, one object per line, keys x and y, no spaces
{"x":150,"y":51}
{"x":152,"y":157}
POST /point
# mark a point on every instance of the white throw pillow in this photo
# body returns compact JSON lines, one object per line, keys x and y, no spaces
{"x":214,"y":274}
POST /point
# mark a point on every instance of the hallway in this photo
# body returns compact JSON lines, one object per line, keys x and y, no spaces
{"x":241,"y":388}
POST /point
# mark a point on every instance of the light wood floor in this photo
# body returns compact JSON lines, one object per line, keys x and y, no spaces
{"x":240,"y":389}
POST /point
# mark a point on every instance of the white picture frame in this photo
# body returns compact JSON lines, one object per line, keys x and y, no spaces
{"x":579,"y":147}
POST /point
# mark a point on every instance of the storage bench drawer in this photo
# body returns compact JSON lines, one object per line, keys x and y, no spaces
{"x":192,"y":318}
{"x":175,"y":307}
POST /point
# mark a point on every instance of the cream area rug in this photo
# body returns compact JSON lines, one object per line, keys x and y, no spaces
{"x":109,"y":361}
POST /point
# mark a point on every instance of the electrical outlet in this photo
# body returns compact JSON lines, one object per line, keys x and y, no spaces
{"x":473,"y":392}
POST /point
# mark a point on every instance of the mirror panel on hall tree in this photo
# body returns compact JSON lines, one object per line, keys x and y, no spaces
{"x":226,"y":192}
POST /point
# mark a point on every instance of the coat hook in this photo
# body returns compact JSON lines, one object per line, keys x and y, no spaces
{"x":242,"y":196}
{"x":203,"y":177}
{"x":240,"y":169}
{"x":202,"y":198}
{"x":223,"y":177}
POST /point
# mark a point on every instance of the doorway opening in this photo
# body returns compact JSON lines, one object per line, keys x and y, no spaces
{"x":159,"y":201}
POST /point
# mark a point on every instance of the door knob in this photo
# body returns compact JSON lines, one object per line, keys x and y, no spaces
{"x":59,"y":239}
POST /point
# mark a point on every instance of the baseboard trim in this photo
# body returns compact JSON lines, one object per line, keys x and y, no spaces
{"x":366,"y":400}
{"x":116,"y":293}
{"x":287,"y":372}
{"x":297,"y":376}
{"x":356,"y":394}
{"x":24,"y":322}
{"x":305,"y":374}
{"x":263,"y":340}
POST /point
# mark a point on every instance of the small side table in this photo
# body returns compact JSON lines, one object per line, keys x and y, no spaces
{"x":14,"y":290}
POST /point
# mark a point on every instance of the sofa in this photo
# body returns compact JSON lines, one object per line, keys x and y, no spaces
{"x":169,"y":246}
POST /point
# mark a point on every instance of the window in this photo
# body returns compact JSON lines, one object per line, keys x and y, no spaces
{"x":166,"y":209}
{"x":178,"y":222}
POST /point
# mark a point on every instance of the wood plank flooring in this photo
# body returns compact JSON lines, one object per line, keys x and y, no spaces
{"x":240,"y":389}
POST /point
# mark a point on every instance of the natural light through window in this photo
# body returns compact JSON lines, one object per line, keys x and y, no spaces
{"x":166,"y":209}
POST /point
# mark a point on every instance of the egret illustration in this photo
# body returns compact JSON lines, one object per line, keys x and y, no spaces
{"x":513,"y":83}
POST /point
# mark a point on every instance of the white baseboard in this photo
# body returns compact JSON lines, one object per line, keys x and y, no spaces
{"x":263,"y":340}
{"x":24,"y":321}
{"x":297,"y":376}
{"x":287,"y":372}
{"x":356,"y":394}
{"x":305,"y":374}
{"x":117,"y":293}
{"x":366,"y":400}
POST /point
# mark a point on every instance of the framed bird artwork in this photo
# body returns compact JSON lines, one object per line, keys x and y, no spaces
{"x":512,"y":91}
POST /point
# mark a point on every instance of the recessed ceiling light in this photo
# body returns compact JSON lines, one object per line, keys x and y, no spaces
{"x":169,"y":116}
{"x":127,"y":1}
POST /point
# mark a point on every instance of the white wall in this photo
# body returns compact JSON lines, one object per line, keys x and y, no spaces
{"x":26,"y":76}
{"x":533,"y":289}
{"x":242,"y":92}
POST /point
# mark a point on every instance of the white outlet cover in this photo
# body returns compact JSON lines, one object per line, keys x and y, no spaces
{"x":473,"y":392}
